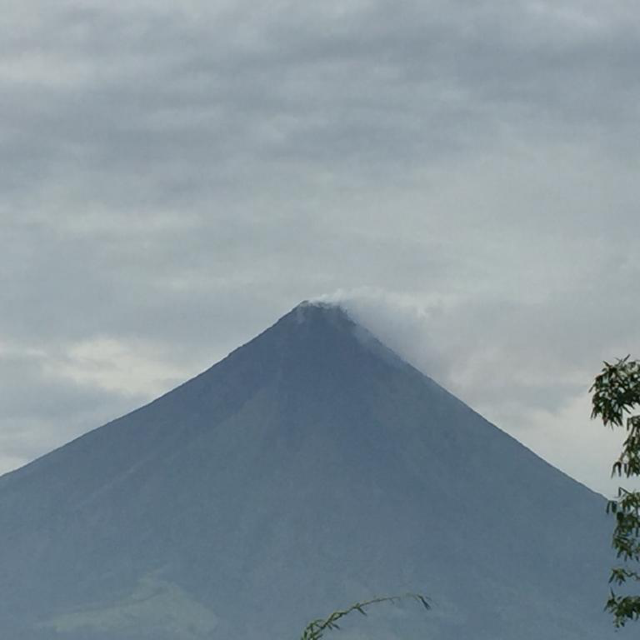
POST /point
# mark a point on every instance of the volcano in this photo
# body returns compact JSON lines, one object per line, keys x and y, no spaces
{"x":310,"y":468}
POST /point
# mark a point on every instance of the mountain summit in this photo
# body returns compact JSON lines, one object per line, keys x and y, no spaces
{"x":310,"y":468}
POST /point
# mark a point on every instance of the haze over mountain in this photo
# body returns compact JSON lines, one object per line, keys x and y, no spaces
{"x":310,"y":468}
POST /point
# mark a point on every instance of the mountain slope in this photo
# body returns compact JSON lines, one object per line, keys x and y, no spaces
{"x":310,"y":468}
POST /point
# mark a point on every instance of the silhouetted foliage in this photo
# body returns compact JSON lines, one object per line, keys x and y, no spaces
{"x":616,"y":394}
{"x":316,"y":629}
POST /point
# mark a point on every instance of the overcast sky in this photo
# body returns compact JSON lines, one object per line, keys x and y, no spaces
{"x":174,"y":176}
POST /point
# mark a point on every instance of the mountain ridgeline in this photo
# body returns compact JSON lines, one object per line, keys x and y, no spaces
{"x":310,"y":468}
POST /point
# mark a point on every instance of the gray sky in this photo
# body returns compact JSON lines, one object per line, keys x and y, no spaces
{"x":174,"y":176}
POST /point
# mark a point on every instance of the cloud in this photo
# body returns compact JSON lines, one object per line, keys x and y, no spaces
{"x":42,"y":407}
{"x":175,"y":176}
{"x":526,"y":367}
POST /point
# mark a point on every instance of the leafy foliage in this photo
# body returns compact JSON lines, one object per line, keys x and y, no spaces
{"x":316,"y":629}
{"x":616,"y":394}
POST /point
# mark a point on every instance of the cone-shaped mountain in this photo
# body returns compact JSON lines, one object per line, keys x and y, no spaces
{"x":310,"y":468}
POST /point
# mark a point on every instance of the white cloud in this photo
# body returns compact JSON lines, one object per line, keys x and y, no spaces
{"x":115,"y":366}
{"x":175,"y":176}
{"x":524,"y":367}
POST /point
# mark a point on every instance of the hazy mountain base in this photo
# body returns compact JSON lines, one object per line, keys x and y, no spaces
{"x":163,"y":611}
{"x":157,"y":606}
{"x":309,"y":469}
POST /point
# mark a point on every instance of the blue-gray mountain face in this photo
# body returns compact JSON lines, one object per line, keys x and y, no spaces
{"x":310,"y":468}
